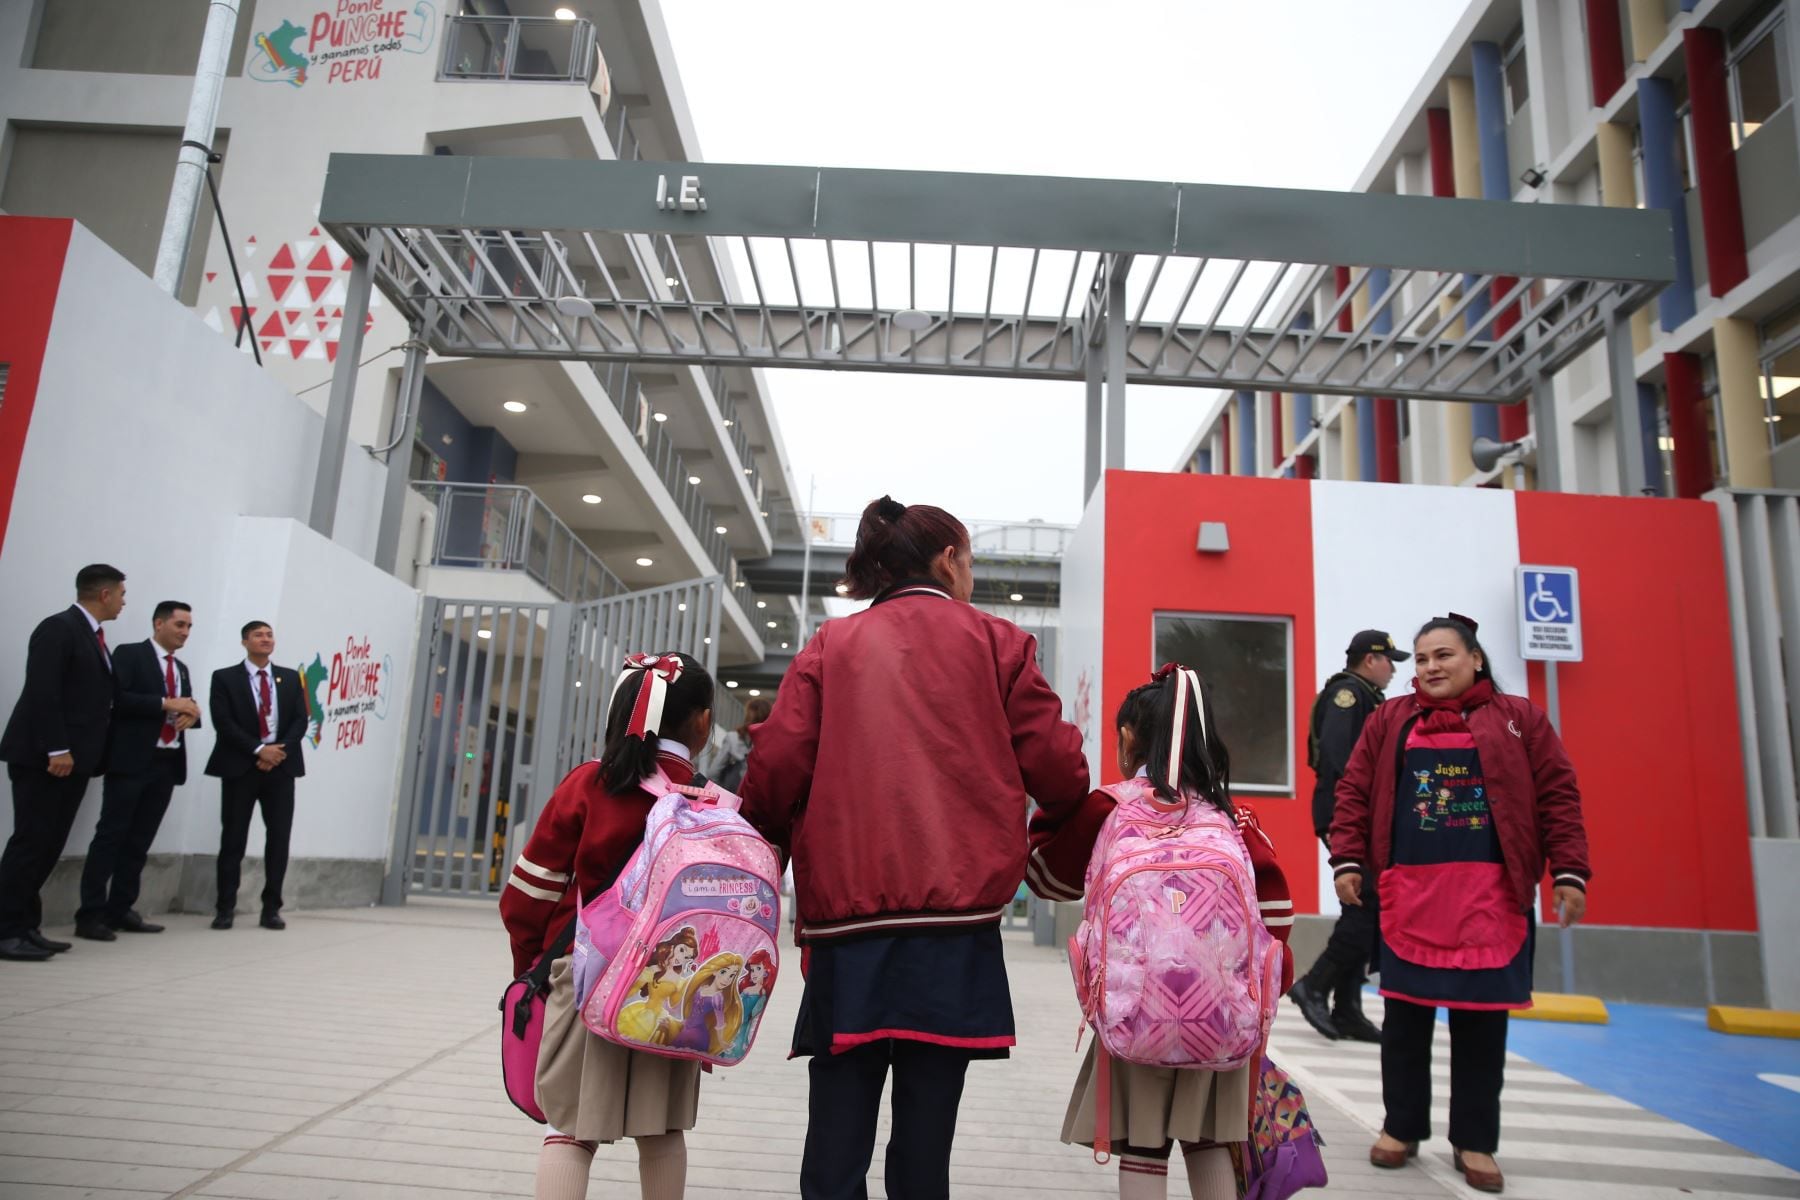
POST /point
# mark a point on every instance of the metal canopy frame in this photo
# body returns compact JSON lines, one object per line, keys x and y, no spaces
{"x":1008,"y":274}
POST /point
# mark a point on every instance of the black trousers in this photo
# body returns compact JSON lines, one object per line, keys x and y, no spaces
{"x":131,"y":811}
{"x":274,"y":790}
{"x":44,"y":809}
{"x":1477,"y":1070}
{"x":845,"y":1101}
{"x":1342,"y":967}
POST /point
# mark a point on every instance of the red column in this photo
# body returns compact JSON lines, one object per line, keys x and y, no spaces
{"x":1443,"y":164}
{"x":1341,"y":277}
{"x":1275,"y":453}
{"x":1303,"y":467}
{"x":1224,"y":466}
{"x":1693,"y":458}
{"x":1387,"y":440}
{"x":1715,"y":162}
{"x":1606,"y":50}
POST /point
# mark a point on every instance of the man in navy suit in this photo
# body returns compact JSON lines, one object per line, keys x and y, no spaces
{"x":53,"y":745}
{"x":259,"y":718}
{"x":146,"y":760}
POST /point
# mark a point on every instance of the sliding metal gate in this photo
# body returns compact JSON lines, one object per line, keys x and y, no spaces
{"x":509,"y":698}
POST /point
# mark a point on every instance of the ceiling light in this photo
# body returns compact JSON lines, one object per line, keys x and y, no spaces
{"x":728,"y":422}
{"x":514,"y":406}
{"x":748,"y":470}
{"x":646,"y":562}
{"x":565,"y":14}
{"x":671,"y":281}
{"x":784,"y":645}
{"x":756,"y":691}
{"x":578,"y":683}
{"x":731,"y":683}
{"x":843,"y":589}
{"x":590,"y":498}
{"x":693,"y":480}
{"x":739,"y":583}
{"x":682,"y":607}
{"x":706,"y":641}
{"x":762,"y":604}
{"x":573,"y":306}
{"x":1016,"y":597}
{"x":484,"y":634}
{"x":720,"y":529}
{"x":660,"y":416}
{"x":765,"y":512}
{"x":911,"y":319}
{"x":1665,"y":442}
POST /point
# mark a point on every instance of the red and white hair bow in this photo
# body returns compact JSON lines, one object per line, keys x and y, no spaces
{"x":654,"y":675}
{"x":1187,"y":690}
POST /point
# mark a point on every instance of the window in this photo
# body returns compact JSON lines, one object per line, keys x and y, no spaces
{"x":1515,"y":76}
{"x":1781,"y":376}
{"x":1249,"y":664}
{"x":1760,"y":86}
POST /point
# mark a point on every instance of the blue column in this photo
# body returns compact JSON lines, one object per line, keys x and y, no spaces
{"x":1303,"y":401}
{"x":1647,"y":418}
{"x":1496,"y":180}
{"x":1246,"y":431}
{"x":1203,"y":461}
{"x":1662,"y":189}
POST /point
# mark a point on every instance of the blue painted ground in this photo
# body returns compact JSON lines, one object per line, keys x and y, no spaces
{"x":1668,"y":1061}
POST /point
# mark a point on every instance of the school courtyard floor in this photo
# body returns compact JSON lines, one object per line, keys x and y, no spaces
{"x":353,"y":1056}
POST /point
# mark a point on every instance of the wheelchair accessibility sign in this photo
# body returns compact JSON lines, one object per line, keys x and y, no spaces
{"x":1549,"y":613}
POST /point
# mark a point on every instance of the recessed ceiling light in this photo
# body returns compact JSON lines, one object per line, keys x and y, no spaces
{"x":573,"y":306}
{"x":728,"y":422}
{"x":1016,"y":597}
{"x":762,"y":604}
{"x":731,"y":683}
{"x":660,"y":416}
{"x":646,"y":562}
{"x":749,"y":470}
{"x":682,"y":607}
{"x":842,"y":589}
{"x":578,"y":683}
{"x":671,"y":281}
{"x":911,"y":320}
{"x":720,"y":529}
{"x":706,"y":641}
{"x":771,"y":624}
{"x":784,"y":645}
{"x":514,"y":406}
{"x":565,"y":14}
{"x":756,"y":691}
{"x":484,"y":634}
{"x":590,"y":498}
{"x":694,"y":480}
{"x":765,"y":512}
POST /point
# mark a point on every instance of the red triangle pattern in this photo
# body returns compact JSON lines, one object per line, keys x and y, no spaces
{"x":283,"y":260}
{"x":316,"y":285}
{"x":321,"y":261}
{"x":211,"y":275}
{"x":278,"y":286}
{"x":303,"y":330}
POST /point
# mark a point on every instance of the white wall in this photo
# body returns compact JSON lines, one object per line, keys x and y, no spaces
{"x":157,"y":448}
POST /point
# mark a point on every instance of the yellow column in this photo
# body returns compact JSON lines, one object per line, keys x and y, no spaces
{"x":1618,"y":189}
{"x":1465,"y":138}
{"x":1289,"y":435}
{"x":1746,"y":431}
{"x":1350,"y":442}
{"x":1648,"y":28}
{"x":1459,"y":431}
{"x":1359,"y":305}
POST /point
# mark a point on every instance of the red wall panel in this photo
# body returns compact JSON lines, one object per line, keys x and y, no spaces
{"x":1650,"y":713}
{"x":1152,"y":523}
{"x":33,"y":249}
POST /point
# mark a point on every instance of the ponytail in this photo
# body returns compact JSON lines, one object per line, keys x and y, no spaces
{"x":655,"y":696}
{"x":895,"y":542}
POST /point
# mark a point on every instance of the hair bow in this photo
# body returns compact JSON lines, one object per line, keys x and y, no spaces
{"x":1187,"y":685}
{"x":1469,"y":621}
{"x":654,"y":675}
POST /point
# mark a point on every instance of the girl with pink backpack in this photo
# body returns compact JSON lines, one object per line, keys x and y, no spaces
{"x":1183,"y":952}
{"x":590,"y":1090}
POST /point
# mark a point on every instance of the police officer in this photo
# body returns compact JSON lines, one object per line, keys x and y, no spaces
{"x":1330,"y":995}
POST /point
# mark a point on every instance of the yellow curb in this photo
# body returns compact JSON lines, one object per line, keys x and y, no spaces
{"x":1556,"y":1006}
{"x":1753,"y":1022}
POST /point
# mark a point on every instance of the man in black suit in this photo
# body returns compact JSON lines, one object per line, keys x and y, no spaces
{"x":259,"y":719}
{"x":146,"y":760}
{"x":52,"y":746}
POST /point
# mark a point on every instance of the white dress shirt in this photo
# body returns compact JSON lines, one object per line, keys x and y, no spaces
{"x":256,"y":698}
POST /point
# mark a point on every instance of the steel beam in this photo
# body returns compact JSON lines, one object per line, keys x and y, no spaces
{"x":336,"y":436}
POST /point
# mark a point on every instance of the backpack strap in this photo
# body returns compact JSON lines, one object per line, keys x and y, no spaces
{"x":1102,"y":1104}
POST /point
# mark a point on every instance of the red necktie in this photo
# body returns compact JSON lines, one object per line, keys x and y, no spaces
{"x":104,"y":652}
{"x":262,"y":705}
{"x":169,"y":731}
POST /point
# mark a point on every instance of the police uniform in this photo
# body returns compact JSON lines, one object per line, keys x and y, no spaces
{"x":1337,"y":976}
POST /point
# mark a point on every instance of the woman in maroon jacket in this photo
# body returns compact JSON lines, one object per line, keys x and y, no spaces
{"x":595,"y":1091}
{"x":895,"y":770}
{"x":1452,"y":800}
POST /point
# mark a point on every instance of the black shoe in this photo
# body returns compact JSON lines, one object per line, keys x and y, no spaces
{"x":1312,"y":1007}
{"x":20,"y":949}
{"x":36,"y":937}
{"x":272,"y":920}
{"x":224,"y":920}
{"x":95,"y":931}
{"x":131,"y":922}
{"x":1352,"y":1025}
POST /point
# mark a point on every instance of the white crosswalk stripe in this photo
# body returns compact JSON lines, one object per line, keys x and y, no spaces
{"x":1560,"y":1140}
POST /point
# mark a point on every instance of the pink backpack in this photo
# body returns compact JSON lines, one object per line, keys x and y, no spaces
{"x":679,"y":956}
{"x":1173,"y":965}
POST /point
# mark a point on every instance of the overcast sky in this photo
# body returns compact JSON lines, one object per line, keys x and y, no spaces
{"x":1280,"y":93}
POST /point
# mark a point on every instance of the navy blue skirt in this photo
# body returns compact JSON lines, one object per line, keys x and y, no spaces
{"x":946,"y":988}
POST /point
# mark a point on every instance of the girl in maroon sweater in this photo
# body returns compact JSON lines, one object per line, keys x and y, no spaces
{"x":595,"y":1091}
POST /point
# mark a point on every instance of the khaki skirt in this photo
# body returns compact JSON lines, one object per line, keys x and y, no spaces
{"x":1152,"y":1105}
{"x":600,"y":1092}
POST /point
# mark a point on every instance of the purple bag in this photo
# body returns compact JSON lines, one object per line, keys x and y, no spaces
{"x":1282,"y":1156}
{"x":522,"y":1028}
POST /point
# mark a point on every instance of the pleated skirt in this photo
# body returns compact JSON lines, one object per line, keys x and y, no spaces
{"x":1154,"y":1105}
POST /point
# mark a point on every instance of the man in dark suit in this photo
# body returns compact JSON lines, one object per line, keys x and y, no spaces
{"x":146,"y":760}
{"x":52,"y":746}
{"x":259,"y":719}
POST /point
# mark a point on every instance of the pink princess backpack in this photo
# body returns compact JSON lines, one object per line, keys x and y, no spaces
{"x":1173,"y":965}
{"x":679,"y":956}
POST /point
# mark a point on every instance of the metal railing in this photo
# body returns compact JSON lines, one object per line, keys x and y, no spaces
{"x":619,"y":132}
{"x":627,"y":396}
{"x":505,"y":527}
{"x":1003,"y":539}
{"x":535,"y":49}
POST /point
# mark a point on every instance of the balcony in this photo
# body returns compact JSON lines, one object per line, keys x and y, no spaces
{"x":531,"y":49}
{"x":504,"y":527}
